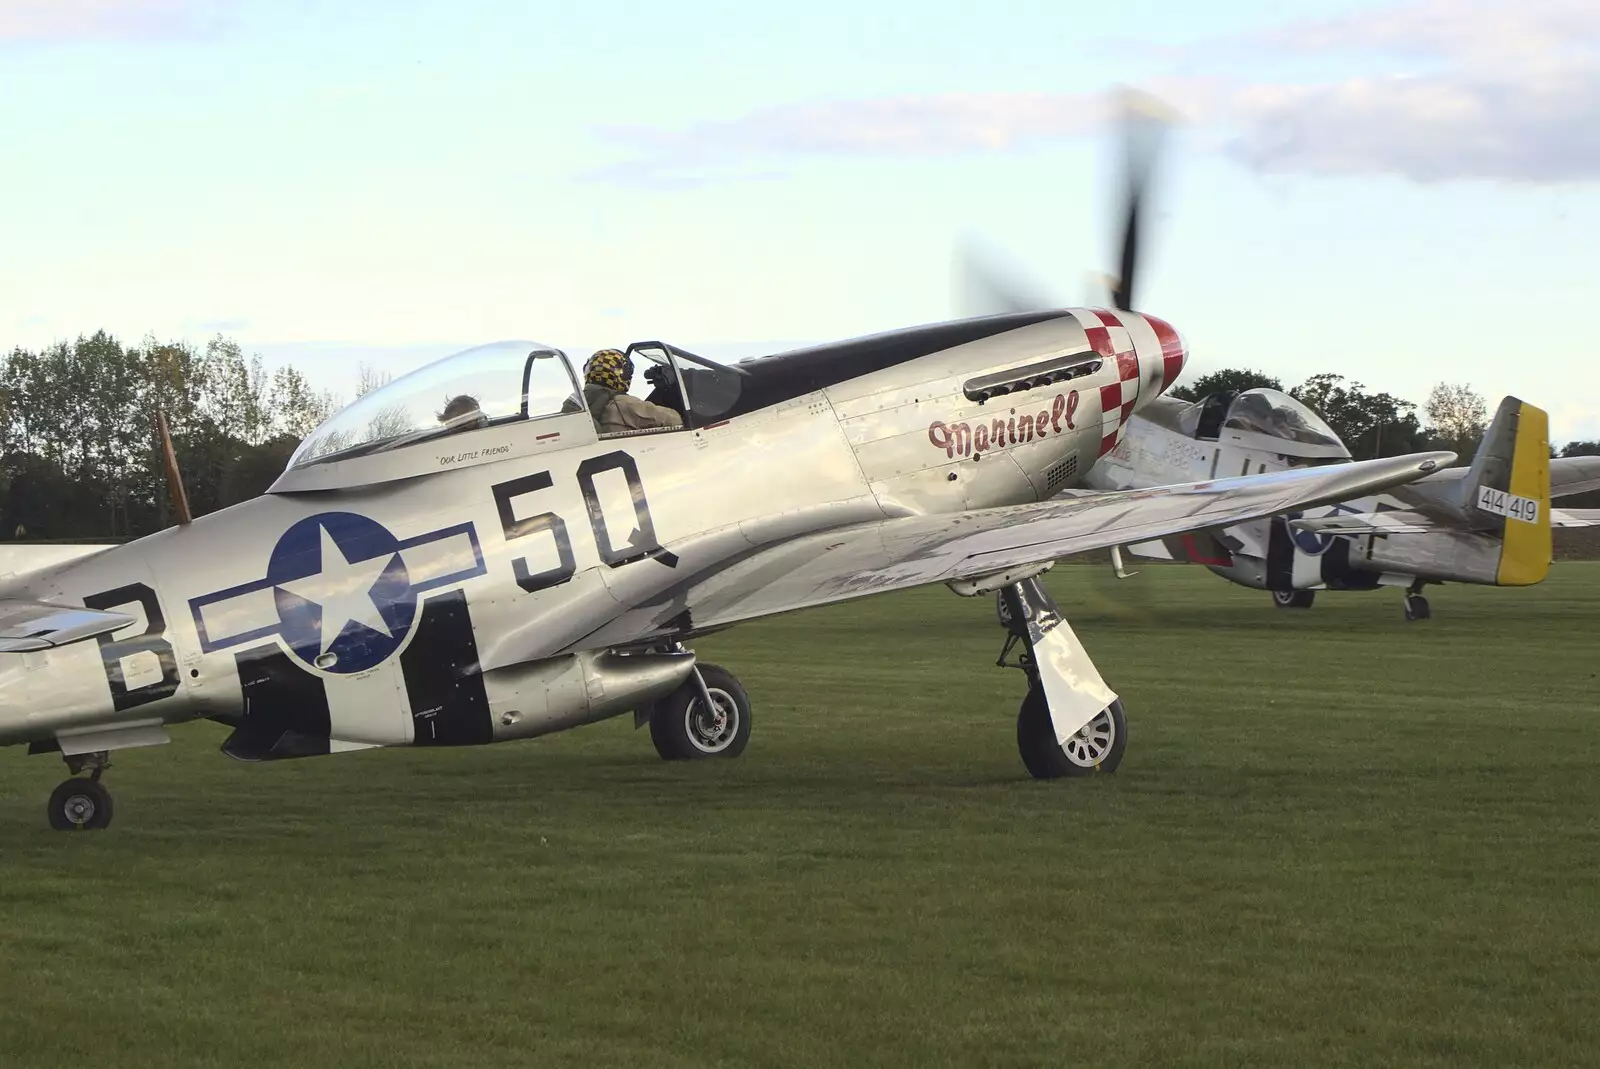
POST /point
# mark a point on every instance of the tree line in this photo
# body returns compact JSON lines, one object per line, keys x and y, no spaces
{"x":78,"y":447}
{"x":1379,"y":424}
{"x":1382,"y":425}
{"x":79,"y":455}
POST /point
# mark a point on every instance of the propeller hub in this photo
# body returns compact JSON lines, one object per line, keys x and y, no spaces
{"x":1172,"y":356}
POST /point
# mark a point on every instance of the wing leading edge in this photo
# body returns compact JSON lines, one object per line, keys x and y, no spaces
{"x":874,"y":558}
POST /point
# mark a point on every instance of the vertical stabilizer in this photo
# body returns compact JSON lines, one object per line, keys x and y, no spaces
{"x":1507,"y":491}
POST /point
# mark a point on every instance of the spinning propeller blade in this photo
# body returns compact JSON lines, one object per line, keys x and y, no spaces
{"x":988,"y":288}
{"x":1144,"y":123}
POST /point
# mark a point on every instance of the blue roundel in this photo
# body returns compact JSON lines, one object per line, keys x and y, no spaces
{"x":344,"y":600}
{"x":1311,"y":543}
{"x":1316,"y":543}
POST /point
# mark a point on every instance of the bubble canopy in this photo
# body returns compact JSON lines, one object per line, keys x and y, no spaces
{"x":504,"y":382}
{"x":1270,"y":419}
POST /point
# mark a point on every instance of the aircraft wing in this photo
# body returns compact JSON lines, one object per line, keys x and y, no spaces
{"x":39,"y":625}
{"x":873,"y":558}
{"x":1575,"y":517}
{"x":1574,"y":475}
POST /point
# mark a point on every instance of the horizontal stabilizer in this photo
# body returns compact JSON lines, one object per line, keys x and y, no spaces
{"x":39,"y":625}
{"x":1395,"y":521}
{"x":1574,"y":475}
{"x":1575,"y":517}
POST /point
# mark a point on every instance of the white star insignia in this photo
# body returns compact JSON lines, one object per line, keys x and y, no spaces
{"x":343,"y":590}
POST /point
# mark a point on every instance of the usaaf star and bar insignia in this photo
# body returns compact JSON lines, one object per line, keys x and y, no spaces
{"x":340,"y":591}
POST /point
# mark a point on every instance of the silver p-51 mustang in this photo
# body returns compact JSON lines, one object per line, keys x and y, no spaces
{"x":461,"y":557}
{"x":404,"y":585}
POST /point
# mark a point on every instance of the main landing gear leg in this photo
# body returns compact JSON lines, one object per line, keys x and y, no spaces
{"x":1417,"y":605}
{"x":1071,"y":723}
{"x":82,"y":803}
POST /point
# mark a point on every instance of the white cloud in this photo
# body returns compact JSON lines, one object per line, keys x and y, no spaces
{"x":942,"y":125}
{"x":1497,"y":33}
{"x":959,"y":122}
{"x":1532,"y":128}
{"x":51,"y":21}
{"x":1510,"y":91}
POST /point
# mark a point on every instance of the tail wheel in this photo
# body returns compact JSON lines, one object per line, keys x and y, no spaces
{"x":1293,"y":599}
{"x":1095,"y":747}
{"x":684,"y":729}
{"x":80,"y":805}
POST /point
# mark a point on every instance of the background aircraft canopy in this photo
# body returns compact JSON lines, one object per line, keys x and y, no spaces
{"x":1272,"y":420}
{"x":492,"y":384}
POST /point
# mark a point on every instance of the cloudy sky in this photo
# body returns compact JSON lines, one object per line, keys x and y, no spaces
{"x":1402,"y":191}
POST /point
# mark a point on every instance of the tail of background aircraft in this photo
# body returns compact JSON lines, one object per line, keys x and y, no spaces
{"x":1486,"y":523}
{"x":1506,"y":491}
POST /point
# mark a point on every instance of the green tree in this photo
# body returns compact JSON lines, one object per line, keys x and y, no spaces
{"x":79,"y":455}
{"x":234,"y":391}
{"x":1580,"y":449}
{"x":1370,"y":424}
{"x":1228,"y":380}
{"x":295,"y":407}
{"x":1457,"y":418}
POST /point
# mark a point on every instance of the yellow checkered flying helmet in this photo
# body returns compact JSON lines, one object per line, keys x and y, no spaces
{"x":610,"y":368}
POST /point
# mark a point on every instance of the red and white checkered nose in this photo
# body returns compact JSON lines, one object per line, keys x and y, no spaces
{"x":1148,"y":355}
{"x":1170,"y":357}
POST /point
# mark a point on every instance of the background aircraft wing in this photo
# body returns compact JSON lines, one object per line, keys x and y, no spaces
{"x":850,"y":562}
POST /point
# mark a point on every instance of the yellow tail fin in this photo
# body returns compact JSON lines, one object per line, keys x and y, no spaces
{"x":1519,"y":491}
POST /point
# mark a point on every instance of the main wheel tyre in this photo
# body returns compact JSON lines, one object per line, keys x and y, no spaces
{"x":1417,"y":608}
{"x":80,"y":805}
{"x":683,"y":729}
{"x":1097,"y":746}
{"x":1293,"y":599}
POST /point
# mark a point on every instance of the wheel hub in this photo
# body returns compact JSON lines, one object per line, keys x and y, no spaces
{"x":1092,"y":741}
{"x":712,"y":729}
{"x":79,"y":808}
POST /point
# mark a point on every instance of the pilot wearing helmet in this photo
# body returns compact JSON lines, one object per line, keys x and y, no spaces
{"x":606,"y":378}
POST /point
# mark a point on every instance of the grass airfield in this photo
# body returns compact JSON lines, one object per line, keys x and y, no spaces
{"x":1336,"y":839}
